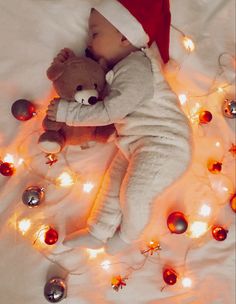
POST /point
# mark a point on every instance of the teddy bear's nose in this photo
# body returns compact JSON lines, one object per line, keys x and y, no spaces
{"x":92,"y":100}
{"x":86,"y":97}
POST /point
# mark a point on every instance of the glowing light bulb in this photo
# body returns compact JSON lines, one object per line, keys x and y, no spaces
{"x":106,"y":264}
{"x":182,"y":99}
{"x":65,"y":180}
{"x":20,"y":161}
{"x":188,"y":44}
{"x":218,"y":144}
{"x":194,"y":113}
{"x":186,"y":282}
{"x":24,"y":225}
{"x":220,"y":90}
{"x":197,"y":229}
{"x":205,"y":210}
{"x":87,"y":187}
{"x":9,"y":158}
{"x":225,"y":189}
{"x":93,"y":253}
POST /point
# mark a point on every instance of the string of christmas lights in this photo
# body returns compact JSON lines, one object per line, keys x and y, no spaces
{"x":44,"y":236}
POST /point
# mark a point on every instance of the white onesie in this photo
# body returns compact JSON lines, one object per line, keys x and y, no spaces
{"x":153,"y":138}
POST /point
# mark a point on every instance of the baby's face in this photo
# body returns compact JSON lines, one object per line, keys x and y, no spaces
{"x":105,"y":41}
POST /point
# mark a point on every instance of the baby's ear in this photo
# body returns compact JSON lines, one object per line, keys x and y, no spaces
{"x":55,"y":71}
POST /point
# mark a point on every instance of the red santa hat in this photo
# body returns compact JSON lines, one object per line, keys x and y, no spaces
{"x":140,"y":21}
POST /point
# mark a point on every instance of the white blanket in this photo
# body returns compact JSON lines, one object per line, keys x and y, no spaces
{"x":32,"y":32}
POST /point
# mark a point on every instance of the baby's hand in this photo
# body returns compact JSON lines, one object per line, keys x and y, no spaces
{"x":52,"y":109}
{"x":63,"y":55}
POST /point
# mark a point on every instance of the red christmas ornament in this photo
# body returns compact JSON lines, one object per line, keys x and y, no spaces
{"x":233,"y":202}
{"x":23,"y":109}
{"x":170,"y":276}
{"x":177,"y":222}
{"x":205,"y":117}
{"x":7,"y":169}
{"x":51,"y":236}
{"x":219,"y":233}
{"x":214,"y":166}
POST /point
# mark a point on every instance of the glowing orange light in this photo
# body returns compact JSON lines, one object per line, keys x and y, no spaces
{"x":197,"y":229}
{"x":93,"y":253}
{"x":87,"y":187}
{"x":186,"y":282}
{"x":9,"y":158}
{"x":24,"y":225}
{"x":220,"y":90}
{"x":65,"y":180}
{"x":182,"y":99}
{"x":205,"y":210}
{"x":188,"y":44}
{"x":106,"y":264}
{"x":194,"y":113}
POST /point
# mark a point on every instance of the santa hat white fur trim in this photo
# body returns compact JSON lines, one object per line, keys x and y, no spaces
{"x":124,"y":21}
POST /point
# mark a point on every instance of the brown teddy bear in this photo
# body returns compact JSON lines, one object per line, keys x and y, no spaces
{"x":78,"y":79}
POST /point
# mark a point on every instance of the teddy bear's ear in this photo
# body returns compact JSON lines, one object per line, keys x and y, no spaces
{"x":55,"y":71}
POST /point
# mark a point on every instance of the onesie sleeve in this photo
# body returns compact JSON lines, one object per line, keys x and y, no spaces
{"x":127,"y":92}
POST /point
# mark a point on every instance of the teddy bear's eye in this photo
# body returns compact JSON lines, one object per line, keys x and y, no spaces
{"x":79,"y":88}
{"x":95,"y":86}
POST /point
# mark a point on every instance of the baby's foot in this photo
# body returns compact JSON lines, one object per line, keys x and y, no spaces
{"x":63,"y":55}
{"x":82,"y":238}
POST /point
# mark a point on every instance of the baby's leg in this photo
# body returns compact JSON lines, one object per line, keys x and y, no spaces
{"x":106,"y":213}
{"x":105,"y":216}
{"x":147,"y":176}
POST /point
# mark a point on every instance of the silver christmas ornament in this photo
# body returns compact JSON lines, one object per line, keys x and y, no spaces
{"x":55,"y":290}
{"x":229,"y":108}
{"x":33,"y":196}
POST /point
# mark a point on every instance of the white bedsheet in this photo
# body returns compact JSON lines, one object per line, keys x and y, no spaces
{"x":31,"y":34}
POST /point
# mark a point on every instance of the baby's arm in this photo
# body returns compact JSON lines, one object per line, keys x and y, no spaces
{"x":127,"y":92}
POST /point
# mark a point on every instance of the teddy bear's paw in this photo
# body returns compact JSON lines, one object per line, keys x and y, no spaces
{"x":51,"y":142}
{"x":50,"y":147}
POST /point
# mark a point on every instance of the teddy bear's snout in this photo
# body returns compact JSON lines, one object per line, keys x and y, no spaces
{"x":86,"y":97}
